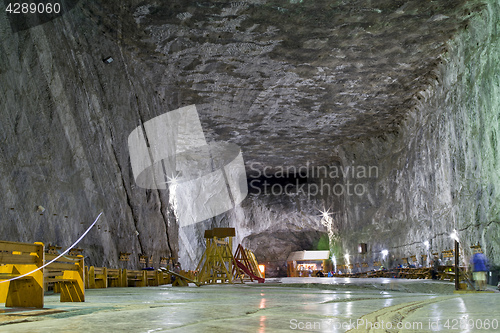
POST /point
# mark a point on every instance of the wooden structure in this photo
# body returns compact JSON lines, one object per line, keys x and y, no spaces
{"x":53,"y":249}
{"x":448,"y":254}
{"x":165,"y":276}
{"x":135,"y":278}
{"x":124,"y":256}
{"x":17,"y":259}
{"x":248,"y":265}
{"x":153,"y":277}
{"x":413,"y":273}
{"x":143,"y":259}
{"x":164,"y":261}
{"x":216,"y":264}
{"x":75,"y":252}
{"x":96,"y":277}
{"x":254,"y":263}
{"x":181,"y":280}
{"x":103,"y":277}
{"x":67,"y":276}
{"x":115,"y":277}
{"x":476,"y":248}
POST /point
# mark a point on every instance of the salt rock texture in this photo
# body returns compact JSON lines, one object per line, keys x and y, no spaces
{"x":408,"y":87}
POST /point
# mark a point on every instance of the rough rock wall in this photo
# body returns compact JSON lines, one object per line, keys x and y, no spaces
{"x":441,"y":170}
{"x":65,"y":117}
{"x":274,"y":225}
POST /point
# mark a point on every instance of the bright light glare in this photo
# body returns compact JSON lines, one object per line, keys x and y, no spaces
{"x":334,"y":261}
{"x":325,"y":214}
{"x":346,"y":256}
{"x":454,"y":235}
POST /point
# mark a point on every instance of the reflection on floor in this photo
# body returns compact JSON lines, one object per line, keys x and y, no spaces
{"x":279,"y":305}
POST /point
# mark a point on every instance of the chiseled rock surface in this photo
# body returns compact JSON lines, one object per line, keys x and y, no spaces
{"x":440,"y":172}
{"x":291,"y":83}
{"x":65,"y":120}
{"x":287,"y":80}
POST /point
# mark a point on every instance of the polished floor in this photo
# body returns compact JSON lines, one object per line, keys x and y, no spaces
{"x":279,"y":305}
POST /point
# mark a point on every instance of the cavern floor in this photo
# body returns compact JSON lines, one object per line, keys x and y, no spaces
{"x":288,"y":304}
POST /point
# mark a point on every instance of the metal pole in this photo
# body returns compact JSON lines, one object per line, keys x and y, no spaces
{"x":457,"y":270}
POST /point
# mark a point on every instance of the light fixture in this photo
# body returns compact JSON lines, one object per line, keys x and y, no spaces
{"x":108,"y":60}
{"x":262,"y":269}
{"x":454,"y":236}
{"x":427,"y":244}
{"x":384,"y":253}
{"x":325,"y":213}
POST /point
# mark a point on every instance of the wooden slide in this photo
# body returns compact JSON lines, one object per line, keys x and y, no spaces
{"x":248,"y":272}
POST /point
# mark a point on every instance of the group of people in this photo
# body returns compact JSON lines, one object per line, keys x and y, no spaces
{"x":309,"y":271}
{"x":479,"y":266}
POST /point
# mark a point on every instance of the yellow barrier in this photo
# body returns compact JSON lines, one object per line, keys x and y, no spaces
{"x":153,"y":278}
{"x":97,"y":277}
{"x":116,"y":278}
{"x":18,"y":259}
{"x":136,"y":278}
{"x":67,"y":275}
{"x":165,"y":277}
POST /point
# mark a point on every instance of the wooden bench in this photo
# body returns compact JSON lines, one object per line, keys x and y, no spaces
{"x":153,"y":277}
{"x":446,"y":273}
{"x":375,"y":274}
{"x":97,"y":277}
{"x":447,"y":276}
{"x":423,"y":273}
{"x":164,"y":276}
{"x":391,"y":274}
{"x":136,"y":278}
{"x":66,"y":274}
{"x":116,"y":278}
{"x":412,"y":273}
{"x":17,"y":259}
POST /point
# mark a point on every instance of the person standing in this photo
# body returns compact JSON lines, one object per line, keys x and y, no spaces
{"x":435,"y":268}
{"x":479,"y":269}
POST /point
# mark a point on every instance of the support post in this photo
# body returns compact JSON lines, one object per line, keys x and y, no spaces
{"x":457,"y":268}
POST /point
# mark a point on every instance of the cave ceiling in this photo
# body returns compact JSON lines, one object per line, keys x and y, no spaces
{"x":289,"y":80}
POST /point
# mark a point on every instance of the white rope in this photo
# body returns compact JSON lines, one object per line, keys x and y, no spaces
{"x":59,"y":256}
